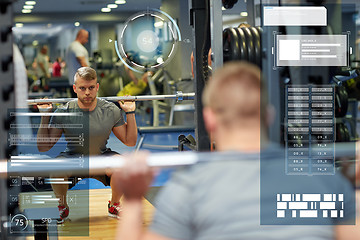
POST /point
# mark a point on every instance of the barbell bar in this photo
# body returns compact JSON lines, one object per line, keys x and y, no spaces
{"x":179,"y":96}
{"x":36,"y":166}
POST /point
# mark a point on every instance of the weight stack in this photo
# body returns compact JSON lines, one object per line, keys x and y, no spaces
{"x":242,"y":44}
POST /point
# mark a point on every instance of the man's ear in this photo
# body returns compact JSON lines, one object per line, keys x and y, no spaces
{"x":97,"y":86}
{"x":209,"y":119}
{"x":74,"y":88}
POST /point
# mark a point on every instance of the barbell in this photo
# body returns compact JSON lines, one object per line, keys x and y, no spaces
{"x":37,"y":166}
{"x":179,"y":96}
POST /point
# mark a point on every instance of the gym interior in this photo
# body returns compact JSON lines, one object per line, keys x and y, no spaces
{"x":161,"y":54}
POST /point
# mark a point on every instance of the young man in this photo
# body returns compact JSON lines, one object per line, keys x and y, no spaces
{"x":99,"y":118}
{"x":220,"y":198}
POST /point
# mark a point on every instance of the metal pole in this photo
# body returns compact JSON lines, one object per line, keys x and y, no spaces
{"x":216,"y":32}
{"x":199,"y":17}
{"x":179,"y":97}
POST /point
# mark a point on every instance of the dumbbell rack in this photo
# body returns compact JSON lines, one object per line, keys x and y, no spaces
{"x":310,"y":130}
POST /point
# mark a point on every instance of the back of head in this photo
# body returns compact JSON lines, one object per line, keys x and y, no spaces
{"x":82,"y":36}
{"x":86,"y":73}
{"x":233,"y":94}
{"x":44,"y":49}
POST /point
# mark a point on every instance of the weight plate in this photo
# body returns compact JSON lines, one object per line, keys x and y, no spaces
{"x":250,"y":45}
{"x":257,"y":45}
{"x":242,"y":44}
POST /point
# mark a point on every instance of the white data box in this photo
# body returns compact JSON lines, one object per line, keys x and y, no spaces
{"x":295,"y":16}
{"x":312,"y":50}
{"x":289,"y":50}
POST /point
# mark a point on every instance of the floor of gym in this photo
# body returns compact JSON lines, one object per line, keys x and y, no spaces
{"x":88,"y":217}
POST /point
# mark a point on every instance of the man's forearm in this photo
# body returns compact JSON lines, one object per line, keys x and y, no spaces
{"x":82,"y":61}
{"x":130,"y":227}
{"x":43,"y":133}
{"x":131,"y":129}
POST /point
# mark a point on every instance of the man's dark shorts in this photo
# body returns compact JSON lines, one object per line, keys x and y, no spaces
{"x":105,"y":179}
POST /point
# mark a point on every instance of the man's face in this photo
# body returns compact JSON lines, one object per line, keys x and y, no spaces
{"x":86,"y":90}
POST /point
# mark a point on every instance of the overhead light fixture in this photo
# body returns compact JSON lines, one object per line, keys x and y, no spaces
{"x":244,"y":14}
{"x":26,"y":11}
{"x":159,"y":24}
{"x":112,"y":5}
{"x":28,"y":7}
{"x":35,"y":43}
{"x":106,"y":10}
{"x":30,"y":3}
{"x":77,"y":24}
{"x":120,"y":1}
{"x":19,"y":25}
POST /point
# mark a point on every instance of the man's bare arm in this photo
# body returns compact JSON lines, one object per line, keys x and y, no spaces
{"x":82,"y":61}
{"x":47,"y":137}
{"x":134,"y":180}
{"x":127,"y":133}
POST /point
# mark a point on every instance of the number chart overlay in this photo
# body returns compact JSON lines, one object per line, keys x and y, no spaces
{"x":309,"y":130}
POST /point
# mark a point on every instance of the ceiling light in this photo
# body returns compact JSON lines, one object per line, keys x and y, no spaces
{"x":30,"y":3}
{"x":77,"y":24}
{"x":35,"y":43}
{"x":106,"y":10}
{"x":28,"y":7}
{"x":26,"y":11}
{"x":112,"y":6}
{"x":120,"y":1}
{"x":159,"y":24}
{"x":19,"y":25}
{"x":244,"y":14}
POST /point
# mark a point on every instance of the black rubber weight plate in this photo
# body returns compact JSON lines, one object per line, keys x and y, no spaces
{"x":242,"y":44}
{"x":257,"y":45}
{"x":250,"y":44}
{"x":230,"y":45}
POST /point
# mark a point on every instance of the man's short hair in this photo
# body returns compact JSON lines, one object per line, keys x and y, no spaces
{"x":86,"y":73}
{"x":233,"y":92}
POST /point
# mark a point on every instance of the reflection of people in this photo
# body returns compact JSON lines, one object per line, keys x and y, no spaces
{"x":135,"y":86}
{"x":103,"y":117}
{"x":220,"y":199}
{"x":43,"y":65}
{"x":57,"y":67}
{"x":77,"y":56}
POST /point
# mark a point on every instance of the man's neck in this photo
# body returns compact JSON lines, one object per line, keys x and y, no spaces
{"x":243,"y":139}
{"x":88,"y":107}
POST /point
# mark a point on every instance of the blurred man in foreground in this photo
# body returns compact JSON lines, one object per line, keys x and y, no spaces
{"x":221,"y":199}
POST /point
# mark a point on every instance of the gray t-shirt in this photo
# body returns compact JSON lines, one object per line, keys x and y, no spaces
{"x":92,"y":128}
{"x":44,"y":59}
{"x":221,"y":200}
{"x":76,"y":49}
